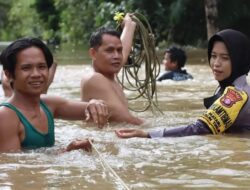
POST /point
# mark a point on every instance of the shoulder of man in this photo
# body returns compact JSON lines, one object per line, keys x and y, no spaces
{"x":95,"y":79}
{"x":96,"y":87}
{"x":166,"y":75}
{"x":8,"y":118}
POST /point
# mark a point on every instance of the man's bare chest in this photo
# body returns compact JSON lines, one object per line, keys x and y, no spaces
{"x":120,"y":94}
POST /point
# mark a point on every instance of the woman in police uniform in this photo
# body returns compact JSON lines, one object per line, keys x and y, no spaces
{"x":228,"y":109}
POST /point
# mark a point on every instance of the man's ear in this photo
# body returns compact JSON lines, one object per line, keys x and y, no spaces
{"x":174,"y":62}
{"x":8,"y":75}
{"x":92,"y":53}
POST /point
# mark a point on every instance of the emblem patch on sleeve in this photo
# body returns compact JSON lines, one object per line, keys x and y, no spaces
{"x":230,"y":98}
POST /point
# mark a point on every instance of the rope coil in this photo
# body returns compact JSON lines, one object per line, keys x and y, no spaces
{"x":142,"y":56}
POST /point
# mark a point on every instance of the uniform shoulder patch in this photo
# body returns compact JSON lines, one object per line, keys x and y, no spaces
{"x":224,"y":111}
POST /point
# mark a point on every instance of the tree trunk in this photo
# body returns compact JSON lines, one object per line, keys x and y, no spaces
{"x":211,"y":11}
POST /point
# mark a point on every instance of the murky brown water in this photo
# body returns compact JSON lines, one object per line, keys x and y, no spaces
{"x":196,"y":162}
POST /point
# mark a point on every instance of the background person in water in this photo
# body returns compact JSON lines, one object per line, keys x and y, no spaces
{"x":27,"y":117}
{"x":228,"y":110}
{"x":174,"y":60}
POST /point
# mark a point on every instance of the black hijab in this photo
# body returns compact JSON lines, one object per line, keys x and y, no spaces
{"x":238,"y":47}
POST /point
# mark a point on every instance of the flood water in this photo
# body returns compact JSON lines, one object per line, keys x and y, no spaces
{"x":195,"y":162}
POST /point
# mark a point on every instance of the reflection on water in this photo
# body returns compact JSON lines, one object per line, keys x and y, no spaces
{"x":196,"y":162}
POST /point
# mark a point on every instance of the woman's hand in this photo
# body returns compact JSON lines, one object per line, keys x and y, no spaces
{"x":83,"y":144}
{"x":97,"y":110}
{"x":129,"y":133}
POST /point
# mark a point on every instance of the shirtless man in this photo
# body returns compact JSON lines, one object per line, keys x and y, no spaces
{"x":27,"y":118}
{"x":109,"y":52}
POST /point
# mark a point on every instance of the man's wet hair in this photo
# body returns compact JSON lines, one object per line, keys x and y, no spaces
{"x":96,"y":37}
{"x":178,"y":55}
{"x":8,"y":56}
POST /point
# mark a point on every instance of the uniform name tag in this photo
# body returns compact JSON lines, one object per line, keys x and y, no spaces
{"x":224,"y":111}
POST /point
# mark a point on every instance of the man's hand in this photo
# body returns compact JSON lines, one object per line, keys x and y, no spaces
{"x":128,"y":20}
{"x":129,"y":133}
{"x":83,"y":144}
{"x":97,"y":111}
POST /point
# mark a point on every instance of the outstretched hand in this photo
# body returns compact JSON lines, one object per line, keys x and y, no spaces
{"x":83,"y":144}
{"x":129,"y":133}
{"x":97,"y":110}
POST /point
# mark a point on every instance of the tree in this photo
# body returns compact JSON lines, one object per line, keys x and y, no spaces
{"x":4,"y":9}
{"x":211,"y":11}
{"x":234,"y":14}
{"x":185,"y":22}
{"x":23,"y":20}
{"x":79,"y":18}
{"x":49,"y":17}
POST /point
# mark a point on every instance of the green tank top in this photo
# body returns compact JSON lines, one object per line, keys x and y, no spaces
{"x":33,"y":137}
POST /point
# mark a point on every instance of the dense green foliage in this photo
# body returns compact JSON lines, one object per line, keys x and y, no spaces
{"x":173,"y":21}
{"x":50,"y":18}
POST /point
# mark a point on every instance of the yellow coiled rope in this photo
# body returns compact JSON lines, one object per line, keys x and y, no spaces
{"x":142,"y":56}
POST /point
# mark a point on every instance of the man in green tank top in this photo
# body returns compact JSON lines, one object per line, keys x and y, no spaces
{"x":27,"y":118}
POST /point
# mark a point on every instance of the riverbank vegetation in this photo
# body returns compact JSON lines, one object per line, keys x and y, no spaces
{"x":185,"y":22}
